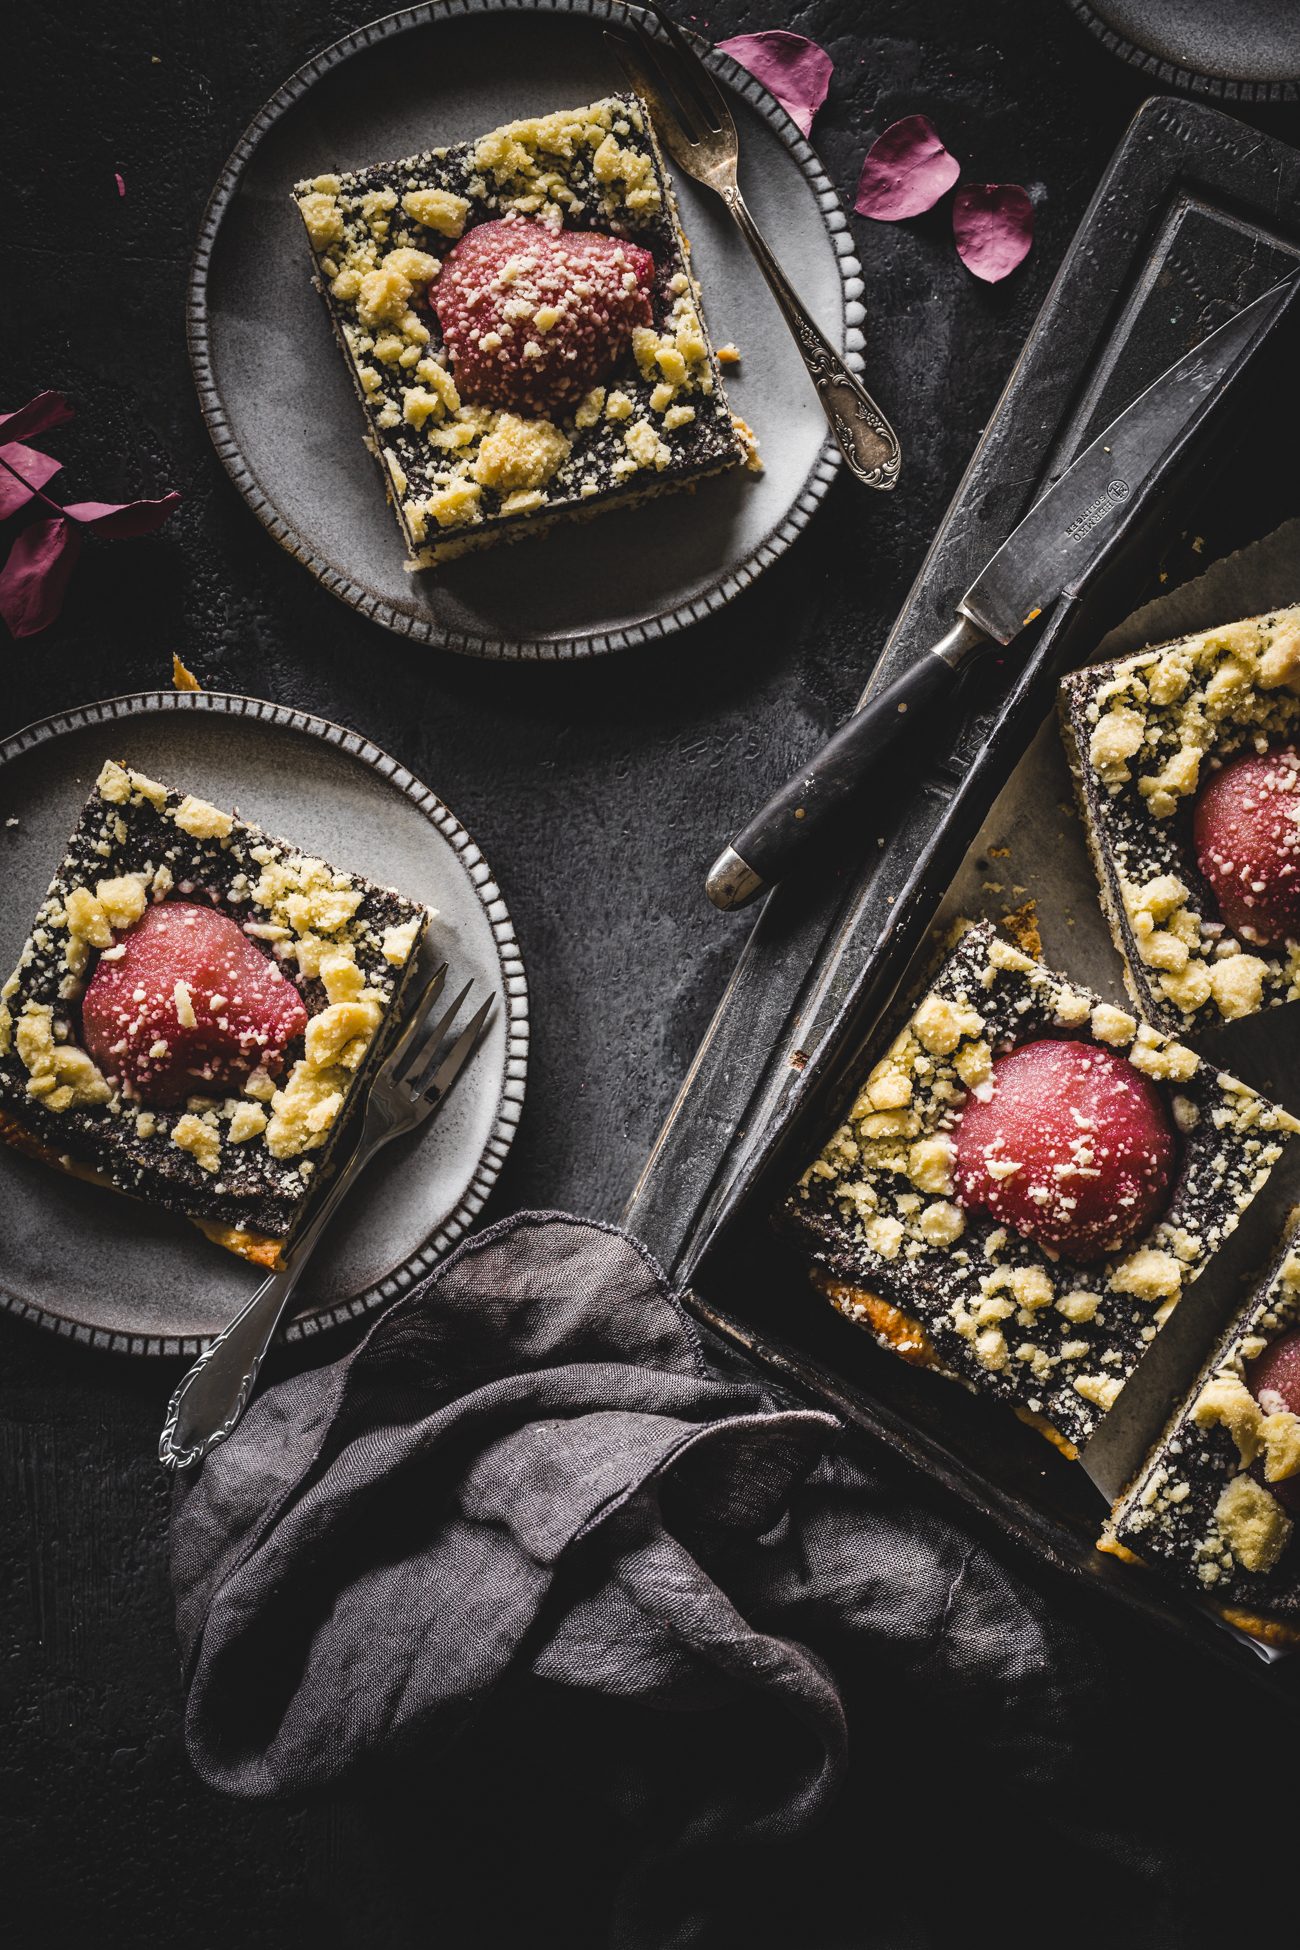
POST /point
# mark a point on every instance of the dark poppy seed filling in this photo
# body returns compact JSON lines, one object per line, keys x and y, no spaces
{"x":523,"y":327}
{"x":1215,"y":1504}
{"x":534,"y":317}
{"x":1273,"y":1378}
{"x":184,"y":1004}
{"x":195,"y":1007}
{"x":1195,"y":857}
{"x":1246,"y":831}
{"x":920,"y":1219}
{"x":1070,"y":1145}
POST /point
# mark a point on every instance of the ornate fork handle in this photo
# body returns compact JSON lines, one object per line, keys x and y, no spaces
{"x":863,"y":434}
{"x":211,"y":1396}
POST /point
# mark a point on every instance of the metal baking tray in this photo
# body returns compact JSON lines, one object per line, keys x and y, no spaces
{"x":1183,"y":230}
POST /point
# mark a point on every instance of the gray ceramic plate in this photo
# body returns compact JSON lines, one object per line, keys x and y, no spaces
{"x":108,"y":1270}
{"x":285,"y":421}
{"x":1243,"y":50}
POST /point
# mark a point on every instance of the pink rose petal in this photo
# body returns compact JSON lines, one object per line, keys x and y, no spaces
{"x":790,"y":66}
{"x":38,"y":416}
{"x":993,"y":227}
{"x":120,"y":180}
{"x":906,"y":171}
{"x":35,"y":578}
{"x":118,"y":520}
{"x":23,"y":470}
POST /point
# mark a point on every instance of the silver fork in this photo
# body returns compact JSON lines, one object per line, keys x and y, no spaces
{"x":408,"y":1087}
{"x":691,"y":115}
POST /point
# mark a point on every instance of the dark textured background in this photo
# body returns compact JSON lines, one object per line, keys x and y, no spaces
{"x":598,"y":791}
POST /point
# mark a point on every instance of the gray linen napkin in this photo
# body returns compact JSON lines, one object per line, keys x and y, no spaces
{"x":529,"y":1475}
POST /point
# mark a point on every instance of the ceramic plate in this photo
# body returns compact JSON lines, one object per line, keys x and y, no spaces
{"x":106,"y":1269}
{"x":280,"y":405}
{"x":1247,"y":52}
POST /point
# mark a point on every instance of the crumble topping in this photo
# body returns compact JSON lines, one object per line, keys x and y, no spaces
{"x":1143,"y":734}
{"x":459,"y":473}
{"x":676,"y":360}
{"x":202,"y":821}
{"x":645,"y":447}
{"x":323,"y":218}
{"x":122,"y":901}
{"x":305,"y":898}
{"x":246,"y":1121}
{"x":1225,"y":1399}
{"x":59,"y":1075}
{"x":85,"y":919}
{"x":200,"y":1136}
{"x":397,"y":941}
{"x":304,"y":1110}
{"x":309,"y":905}
{"x":529,"y":163}
{"x":520,"y":453}
{"x":1149,"y":1275}
{"x":1113,"y":1026}
{"x":345,"y":942}
{"x":1002,"y":1312}
{"x":433,"y":209}
{"x":1102,"y":1390}
{"x":1201,"y":1507}
{"x":1252,"y":1524}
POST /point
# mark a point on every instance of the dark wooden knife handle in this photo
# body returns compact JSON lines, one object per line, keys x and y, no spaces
{"x":794,"y":819}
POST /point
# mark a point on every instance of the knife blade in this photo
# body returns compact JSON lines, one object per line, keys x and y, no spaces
{"x":1048,"y":554}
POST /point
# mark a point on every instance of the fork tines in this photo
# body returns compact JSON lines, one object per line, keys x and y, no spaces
{"x":417,"y":1016}
{"x":682,"y":87}
{"x":422,"y":1061}
{"x":419,"y":1064}
{"x":449,"y":1069}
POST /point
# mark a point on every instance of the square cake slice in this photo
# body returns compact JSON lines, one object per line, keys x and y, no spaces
{"x":196,"y":1008}
{"x":1025,"y":1184}
{"x":1215,"y":1504}
{"x":1188,"y":779}
{"x":523,"y":327}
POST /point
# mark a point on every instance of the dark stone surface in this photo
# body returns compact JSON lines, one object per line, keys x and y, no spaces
{"x":598,"y":791}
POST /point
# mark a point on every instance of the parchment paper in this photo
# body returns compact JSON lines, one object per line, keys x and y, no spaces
{"x":1031,"y":848}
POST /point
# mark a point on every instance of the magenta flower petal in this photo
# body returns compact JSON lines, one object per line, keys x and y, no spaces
{"x":38,"y":416}
{"x":906,"y":171}
{"x":993,"y":227}
{"x":790,"y":66}
{"x":35,"y":578}
{"x":23,"y":470}
{"x":118,"y":520}
{"x":120,"y":180}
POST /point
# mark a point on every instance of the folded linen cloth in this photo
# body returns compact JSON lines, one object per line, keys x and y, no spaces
{"x":530,"y":1474}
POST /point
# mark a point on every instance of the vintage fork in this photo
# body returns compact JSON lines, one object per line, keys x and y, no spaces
{"x":408,"y":1087}
{"x":691,"y":115}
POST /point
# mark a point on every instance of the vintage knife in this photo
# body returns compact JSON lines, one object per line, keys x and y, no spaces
{"x":1053,"y":549}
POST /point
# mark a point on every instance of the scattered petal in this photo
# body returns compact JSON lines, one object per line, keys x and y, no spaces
{"x":23,"y":471}
{"x":117,"y":520}
{"x":906,"y":171}
{"x":35,"y":578}
{"x":120,"y":180}
{"x":183,"y":679}
{"x":993,"y":227}
{"x":38,"y":416}
{"x":790,"y":66}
